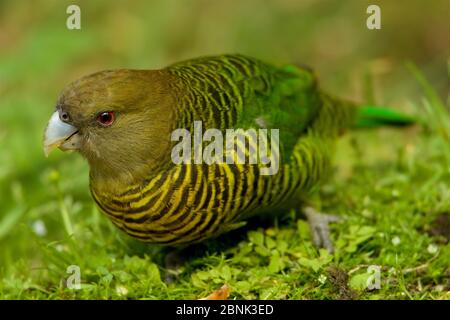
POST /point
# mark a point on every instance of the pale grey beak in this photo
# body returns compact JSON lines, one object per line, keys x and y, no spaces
{"x":60,"y":135}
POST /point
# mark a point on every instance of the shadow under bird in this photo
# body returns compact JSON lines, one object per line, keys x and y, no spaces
{"x":121,"y":121}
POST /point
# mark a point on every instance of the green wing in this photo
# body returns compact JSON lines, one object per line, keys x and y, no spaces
{"x":234,"y":91}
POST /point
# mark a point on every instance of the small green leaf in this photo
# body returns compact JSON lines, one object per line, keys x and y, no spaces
{"x":256,"y":237}
{"x":270,"y":243}
{"x":203,"y":275}
{"x":226,"y":273}
{"x":276,"y":263}
{"x":262,"y":251}
{"x":359,"y":281}
{"x":313,"y":264}
{"x":197,"y":282}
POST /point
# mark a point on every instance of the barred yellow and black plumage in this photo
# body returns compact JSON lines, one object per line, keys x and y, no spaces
{"x":189,"y":203}
{"x":134,"y":182}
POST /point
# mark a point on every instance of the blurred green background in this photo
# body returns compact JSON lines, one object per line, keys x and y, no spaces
{"x":39,"y":56}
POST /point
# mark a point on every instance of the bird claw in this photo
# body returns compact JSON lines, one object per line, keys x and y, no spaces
{"x":320,"y":229}
{"x":173,"y":262}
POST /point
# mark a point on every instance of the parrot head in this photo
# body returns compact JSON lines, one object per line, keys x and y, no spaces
{"x":119,"y":120}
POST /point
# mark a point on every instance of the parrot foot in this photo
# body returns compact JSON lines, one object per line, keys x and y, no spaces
{"x":320,"y":229}
{"x":173,"y":262}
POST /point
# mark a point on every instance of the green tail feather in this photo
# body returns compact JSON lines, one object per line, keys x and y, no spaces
{"x":373,"y":116}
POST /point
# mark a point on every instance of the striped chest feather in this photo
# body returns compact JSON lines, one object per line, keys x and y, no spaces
{"x":190,"y":203}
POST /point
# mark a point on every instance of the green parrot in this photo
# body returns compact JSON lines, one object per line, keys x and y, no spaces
{"x":122,"y":122}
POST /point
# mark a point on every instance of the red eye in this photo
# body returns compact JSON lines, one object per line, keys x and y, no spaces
{"x":106,"y":118}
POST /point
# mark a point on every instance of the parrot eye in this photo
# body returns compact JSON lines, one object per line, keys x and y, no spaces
{"x":64,"y":116}
{"x":106,"y":118}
